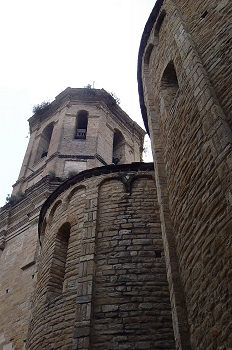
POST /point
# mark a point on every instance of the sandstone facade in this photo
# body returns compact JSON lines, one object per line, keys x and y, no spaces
{"x":128,"y":258}
{"x":81,"y":129}
{"x":19,"y":256}
{"x":102,"y":279}
{"x":184,"y":76}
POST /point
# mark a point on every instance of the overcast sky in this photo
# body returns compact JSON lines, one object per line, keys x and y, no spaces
{"x":48,"y":45}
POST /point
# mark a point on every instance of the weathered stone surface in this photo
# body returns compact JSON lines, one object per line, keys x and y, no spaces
{"x":102,"y":281}
{"x":19,"y":263}
{"x":134,"y":291}
{"x":185,"y":92}
{"x":53,"y":152}
{"x":111,"y":292}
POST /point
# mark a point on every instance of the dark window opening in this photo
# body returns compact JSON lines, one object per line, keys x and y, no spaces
{"x":81,"y":125}
{"x":118,"y":147}
{"x":44,"y":142}
{"x":158,"y":253}
{"x":59,"y":258}
{"x":204,"y":14}
{"x":44,"y":154}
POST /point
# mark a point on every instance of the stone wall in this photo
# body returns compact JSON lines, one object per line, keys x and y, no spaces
{"x":186,"y":91}
{"x":131,"y":303}
{"x":19,"y":262}
{"x":53,"y":152}
{"x":210,"y":27}
{"x":114,"y":291}
{"x":54,"y":148}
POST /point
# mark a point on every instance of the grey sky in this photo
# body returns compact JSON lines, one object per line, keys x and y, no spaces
{"x":49,"y":45}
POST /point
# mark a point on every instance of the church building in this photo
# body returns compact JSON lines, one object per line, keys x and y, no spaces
{"x":99,"y":250}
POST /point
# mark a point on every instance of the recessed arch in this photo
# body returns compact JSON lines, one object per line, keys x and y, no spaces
{"x":80,"y":188}
{"x":141,"y":177}
{"x":108,"y":179}
{"x":169,"y":86}
{"x":44,"y":142}
{"x":148,"y":54}
{"x":159,"y":23}
{"x":59,"y":258}
{"x":52,"y":212}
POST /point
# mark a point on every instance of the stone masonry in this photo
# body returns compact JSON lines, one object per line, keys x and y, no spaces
{"x":58,"y":149}
{"x":184,"y":76}
{"x":99,"y":251}
{"x":19,"y":257}
{"x":115,"y":292}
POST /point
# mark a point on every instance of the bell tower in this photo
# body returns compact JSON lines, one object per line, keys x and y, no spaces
{"x":82,"y":132}
{"x":81,"y":129}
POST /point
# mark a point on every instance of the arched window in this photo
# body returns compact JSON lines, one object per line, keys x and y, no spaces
{"x":58,"y":267}
{"x":169,"y":86}
{"x":118,"y":148}
{"x":81,"y":125}
{"x":44,"y":142}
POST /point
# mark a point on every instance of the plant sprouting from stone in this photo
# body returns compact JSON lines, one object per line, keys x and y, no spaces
{"x":72,"y":173}
{"x":13,"y":199}
{"x":52,"y":174}
{"x":41,"y":108}
{"x":88,"y":86}
{"x":117,"y":100}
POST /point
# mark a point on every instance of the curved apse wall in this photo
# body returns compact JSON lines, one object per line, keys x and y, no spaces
{"x":113,"y":288}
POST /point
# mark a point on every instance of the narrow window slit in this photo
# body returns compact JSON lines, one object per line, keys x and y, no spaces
{"x":204,"y":14}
